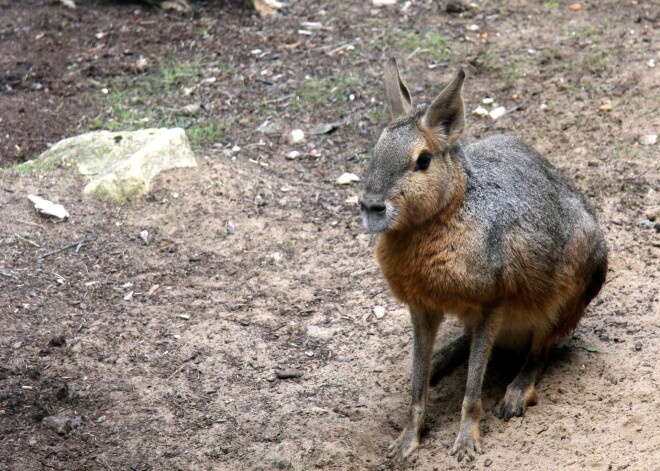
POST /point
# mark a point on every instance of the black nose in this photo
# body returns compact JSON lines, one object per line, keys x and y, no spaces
{"x":372,"y":203}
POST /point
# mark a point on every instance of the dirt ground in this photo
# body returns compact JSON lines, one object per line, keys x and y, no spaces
{"x":256,"y":265}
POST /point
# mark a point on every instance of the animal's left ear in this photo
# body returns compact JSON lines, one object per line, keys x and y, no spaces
{"x":398,"y":96}
{"x":446,"y":115}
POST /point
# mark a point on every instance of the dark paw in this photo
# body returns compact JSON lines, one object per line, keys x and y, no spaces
{"x":515,"y":402}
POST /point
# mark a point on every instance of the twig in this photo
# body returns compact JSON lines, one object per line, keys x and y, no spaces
{"x":30,"y":223}
{"x":8,"y":275}
{"x":77,"y":244}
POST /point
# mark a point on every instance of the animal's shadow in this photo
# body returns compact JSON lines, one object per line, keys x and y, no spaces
{"x":447,"y":396}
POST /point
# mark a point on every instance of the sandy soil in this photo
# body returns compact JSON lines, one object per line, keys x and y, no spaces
{"x":257,"y":267}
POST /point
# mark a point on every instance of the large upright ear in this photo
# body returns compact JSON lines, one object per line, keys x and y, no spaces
{"x":398,"y":96}
{"x":446,"y":114}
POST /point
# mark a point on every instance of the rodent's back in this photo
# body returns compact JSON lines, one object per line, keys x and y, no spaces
{"x":539,"y":230}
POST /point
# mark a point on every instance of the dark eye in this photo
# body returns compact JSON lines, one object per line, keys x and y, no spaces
{"x":423,"y":161}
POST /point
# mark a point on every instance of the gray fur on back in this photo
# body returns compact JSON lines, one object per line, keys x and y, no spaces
{"x":510,"y":188}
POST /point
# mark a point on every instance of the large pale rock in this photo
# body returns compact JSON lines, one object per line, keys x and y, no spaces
{"x":120,"y":165}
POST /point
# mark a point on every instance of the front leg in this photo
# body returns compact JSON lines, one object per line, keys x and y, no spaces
{"x":425,"y":327}
{"x":484,"y":332}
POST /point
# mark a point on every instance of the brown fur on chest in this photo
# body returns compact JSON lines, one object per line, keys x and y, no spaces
{"x":438,"y":266}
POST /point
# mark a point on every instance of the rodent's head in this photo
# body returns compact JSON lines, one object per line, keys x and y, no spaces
{"x":411,"y":174}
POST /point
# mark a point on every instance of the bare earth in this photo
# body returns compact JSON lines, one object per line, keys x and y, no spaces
{"x":257,"y":265}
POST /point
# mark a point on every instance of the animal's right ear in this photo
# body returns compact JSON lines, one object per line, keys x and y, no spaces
{"x":398,"y":96}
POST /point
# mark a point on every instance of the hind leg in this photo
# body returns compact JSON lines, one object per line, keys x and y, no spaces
{"x":521,"y":393}
{"x":449,"y":357}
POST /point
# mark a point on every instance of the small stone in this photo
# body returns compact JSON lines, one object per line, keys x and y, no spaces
{"x":185,"y":317}
{"x":319,"y":332}
{"x":75,"y":422}
{"x":383,"y":3}
{"x":60,"y":424}
{"x":607,"y":106}
{"x":353,"y":200}
{"x":488,"y":462}
{"x":230,"y":228}
{"x":16,"y":345}
{"x":480,"y":111}
{"x":347,"y":179}
{"x":575,"y":7}
{"x":236,"y":149}
{"x":190,"y":109}
{"x":293,"y":155}
{"x":144,"y":235}
{"x":648,"y":139}
{"x":487,"y":101}
{"x":142,"y":64}
{"x":288,"y":374}
{"x":646,"y":224}
{"x":638,"y":346}
{"x":129,"y":296}
{"x":379,"y":312}
{"x":48,"y":208}
{"x":101,"y":419}
{"x":296,"y":136}
{"x":497,"y":113}
{"x":544,"y":106}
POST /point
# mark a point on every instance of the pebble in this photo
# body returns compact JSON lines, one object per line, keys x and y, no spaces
{"x":497,"y":113}
{"x":317,"y":332}
{"x":638,"y":346}
{"x":347,"y":179}
{"x":293,"y":155}
{"x":75,"y":422}
{"x":190,"y":109}
{"x":607,"y":106}
{"x":142,"y":64}
{"x":353,"y":200}
{"x":379,"y":312}
{"x":296,"y":136}
{"x":60,"y":424}
{"x":236,"y":149}
{"x":646,"y":224}
{"x":648,"y":139}
{"x":144,"y":235}
{"x":480,"y":111}
{"x":230,"y":228}
{"x":288,"y":374}
{"x":488,"y":462}
{"x":487,"y":101}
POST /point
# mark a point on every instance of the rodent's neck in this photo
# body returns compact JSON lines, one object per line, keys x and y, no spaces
{"x":454,"y":194}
